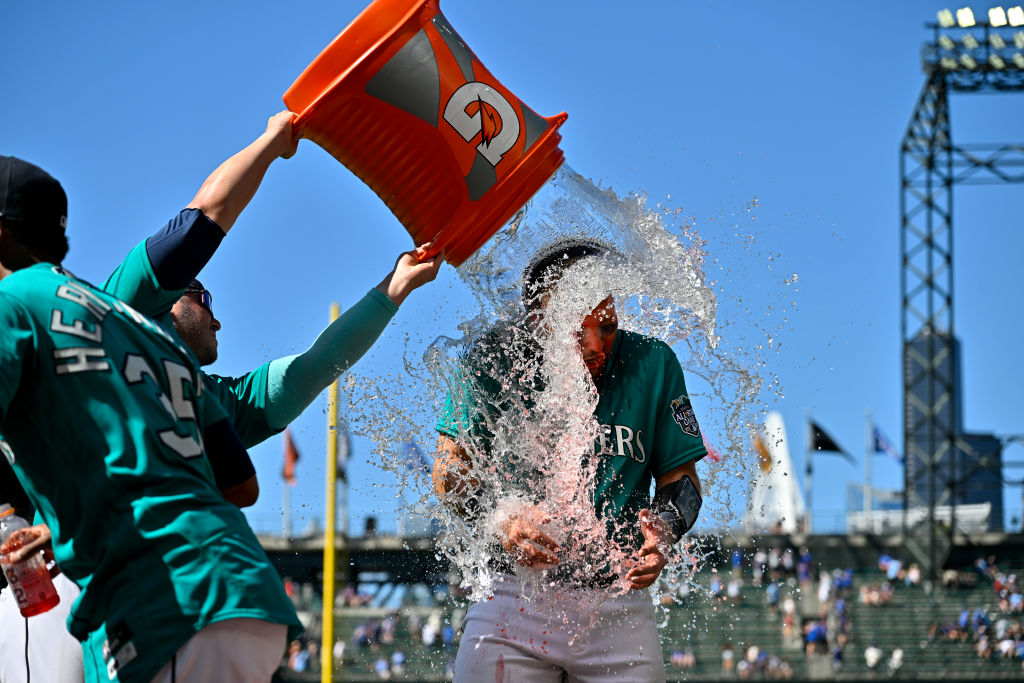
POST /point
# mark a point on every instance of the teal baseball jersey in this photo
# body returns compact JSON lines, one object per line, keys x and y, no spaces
{"x":244,"y":398}
{"x":647,"y":424}
{"x":105,"y":411}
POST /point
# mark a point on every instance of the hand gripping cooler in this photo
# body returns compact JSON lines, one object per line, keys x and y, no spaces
{"x":401,"y":101}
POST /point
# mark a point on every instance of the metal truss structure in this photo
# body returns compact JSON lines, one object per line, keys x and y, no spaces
{"x":964,"y":59}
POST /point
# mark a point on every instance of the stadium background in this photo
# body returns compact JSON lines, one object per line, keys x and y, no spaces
{"x":779,"y":122}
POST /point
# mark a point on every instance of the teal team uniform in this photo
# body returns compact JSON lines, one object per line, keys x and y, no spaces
{"x":262,"y":402}
{"x":647,"y":424}
{"x":106,"y":412}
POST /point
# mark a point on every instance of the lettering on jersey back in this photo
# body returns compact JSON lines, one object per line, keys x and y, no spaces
{"x":82,"y":359}
{"x":77,"y":328}
{"x":74,"y":292}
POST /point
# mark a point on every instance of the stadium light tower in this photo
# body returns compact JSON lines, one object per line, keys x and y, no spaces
{"x":964,"y":55}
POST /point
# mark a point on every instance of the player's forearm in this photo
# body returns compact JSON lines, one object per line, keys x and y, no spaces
{"x":295,"y":381}
{"x":454,"y":483}
{"x":230,"y":188}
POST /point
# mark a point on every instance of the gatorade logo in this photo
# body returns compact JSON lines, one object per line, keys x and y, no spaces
{"x":476,"y":108}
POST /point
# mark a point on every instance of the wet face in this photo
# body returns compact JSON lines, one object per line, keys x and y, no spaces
{"x":597,"y":335}
{"x":196,"y":326}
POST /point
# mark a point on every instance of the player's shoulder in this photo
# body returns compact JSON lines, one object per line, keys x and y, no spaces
{"x":32,"y":286}
{"x":641,"y":346}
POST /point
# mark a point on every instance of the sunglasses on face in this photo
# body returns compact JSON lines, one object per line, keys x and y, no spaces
{"x":205,"y":298}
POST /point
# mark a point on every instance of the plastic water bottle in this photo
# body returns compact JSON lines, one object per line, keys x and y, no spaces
{"x":28,"y":579}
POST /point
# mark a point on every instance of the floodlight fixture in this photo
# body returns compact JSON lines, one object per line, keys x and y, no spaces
{"x":1015,"y":16}
{"x":969,"y":61}
{"x":970,"y":42}
{"x":996,"y":61}
{"x":949,"y":64}
{"x":946,"y":42}
{"x":946,"y":18}
{"x":997,"y":16}
{"x":1018,"y":40}
{"x":965,"y":17}
{"x":1018,"y":59}
{"x":997,"y":41}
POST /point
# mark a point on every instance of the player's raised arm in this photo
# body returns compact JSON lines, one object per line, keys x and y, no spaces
{"x":154,"y":274}
{"x":232,"y":185}
{"x":295,"y":381}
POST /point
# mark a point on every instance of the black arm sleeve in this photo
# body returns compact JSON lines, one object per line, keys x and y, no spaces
{"x":180,"y":249}
{"x":678,"y":503}
{"x":228,"y":457}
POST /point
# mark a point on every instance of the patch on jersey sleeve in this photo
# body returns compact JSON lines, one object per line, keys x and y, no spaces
{"x":5,"y":448}
{"x":682,"y":413}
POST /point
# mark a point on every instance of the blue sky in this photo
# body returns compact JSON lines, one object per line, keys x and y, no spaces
{"x":705,"y":106}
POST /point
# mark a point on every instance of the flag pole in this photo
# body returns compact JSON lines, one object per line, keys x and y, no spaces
{"x":808,"y":473}
{"x":330,"y":516}
{"x":869,"y":449}
{"x":286,"y":510}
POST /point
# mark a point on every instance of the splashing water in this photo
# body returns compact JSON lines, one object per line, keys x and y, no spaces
{"x":529,"y":426}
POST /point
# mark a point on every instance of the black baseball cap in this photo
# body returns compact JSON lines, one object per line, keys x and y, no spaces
{"x":31,"y":198}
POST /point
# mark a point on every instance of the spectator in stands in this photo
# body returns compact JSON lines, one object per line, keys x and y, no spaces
{"x":298,"y":658}
{"x":736,"y":561}
{"x":837,"y":659}
{"x":760,"y":565}
{"x":788,"y":617}
{"x":728,"y":659}
{"x":312,"y":656}
{"x":895,"y":661}
{"x":873,"y":656}
{"x":788,"y":562}
{"x":771,"y":596}
{"x":803,"y":567}
{"x":774,"y":561}
{"x":735,"y":590}
{"x":913,"y":577}
{"x":815,"y":637}
{"x":387,"y":630}
{"x":339,"y":652}
{"x":715,"y":585}
{"x":689,"y":660}
{"x":824,"y":588}
{"x":983,"y":648}
{"x":431,"y":630}
{"x":397,"y":663}
{"x":383,"y":668}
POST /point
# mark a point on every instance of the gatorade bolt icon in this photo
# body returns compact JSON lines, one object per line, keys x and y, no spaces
{"x":494,"y":119}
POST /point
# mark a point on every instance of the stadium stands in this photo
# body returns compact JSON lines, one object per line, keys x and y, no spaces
{"x":880,"y":623}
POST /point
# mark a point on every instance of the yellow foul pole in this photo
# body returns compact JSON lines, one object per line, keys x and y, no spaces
{"x":331,"y":513}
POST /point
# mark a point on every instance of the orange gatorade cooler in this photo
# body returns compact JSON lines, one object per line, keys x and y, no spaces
{"x":401,"y":101}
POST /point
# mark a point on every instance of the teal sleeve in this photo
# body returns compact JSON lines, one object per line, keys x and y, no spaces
{"x":245,"y":401}
{"x":294,"y":381}
{"x":459,"y":418}
{"x":677,"y":438}
{"x":135,"y":283}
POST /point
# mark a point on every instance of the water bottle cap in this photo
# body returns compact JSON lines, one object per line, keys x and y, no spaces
{"x":5,"y":509}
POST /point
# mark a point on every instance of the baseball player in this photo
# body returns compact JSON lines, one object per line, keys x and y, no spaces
{"x":169,"y":258}
{"x":648,"y":432}
{"x":107,"y":425}
{"x":157,"y":278}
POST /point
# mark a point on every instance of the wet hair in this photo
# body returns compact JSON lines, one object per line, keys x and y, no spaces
{"x":547,"y":267}
{"x":44,"y":245}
